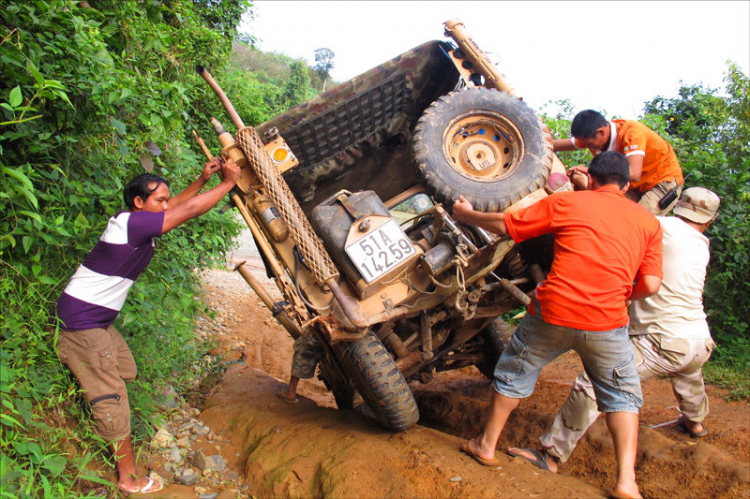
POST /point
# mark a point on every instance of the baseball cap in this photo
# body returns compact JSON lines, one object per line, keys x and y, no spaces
{"x":698,"y":205}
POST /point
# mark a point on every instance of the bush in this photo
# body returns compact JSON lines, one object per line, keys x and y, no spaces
{"x":89,"y":97}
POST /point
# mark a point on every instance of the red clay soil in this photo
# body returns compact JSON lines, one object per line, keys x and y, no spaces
{"x":310,"y":449}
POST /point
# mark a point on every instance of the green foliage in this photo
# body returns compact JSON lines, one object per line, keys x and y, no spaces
{"x":297,"y":88}
{"x":711,"y":135}
{"x":559,"y":126}
{"x":274,"y":70}
{"x":88,"y":95}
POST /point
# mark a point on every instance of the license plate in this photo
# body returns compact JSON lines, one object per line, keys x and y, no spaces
{"x":380,"y":251}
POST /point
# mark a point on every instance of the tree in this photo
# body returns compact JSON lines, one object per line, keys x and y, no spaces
{"x":296,"y":88}
{"x":324,"y":63}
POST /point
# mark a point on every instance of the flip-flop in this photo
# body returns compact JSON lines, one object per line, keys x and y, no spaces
{"x":484,"y":462}
{"x":537,"y":461}
{"x":690,"y":432}
{"x":150,"y":487}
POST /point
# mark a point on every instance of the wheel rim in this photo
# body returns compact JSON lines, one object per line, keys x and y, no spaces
{"x":483,"y":146}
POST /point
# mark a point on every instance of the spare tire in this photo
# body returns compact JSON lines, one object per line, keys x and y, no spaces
{"x":483,"y":144}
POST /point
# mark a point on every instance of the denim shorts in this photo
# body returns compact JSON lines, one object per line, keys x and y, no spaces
{"x":607,"y":358}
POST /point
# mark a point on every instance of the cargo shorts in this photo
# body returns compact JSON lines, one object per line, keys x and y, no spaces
{"x":307,"y":352}
{"x":101,"y":362}
{"x":606,"y":356}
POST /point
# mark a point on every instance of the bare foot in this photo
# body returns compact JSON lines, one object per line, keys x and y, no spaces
{"x":627,"y":491}
{"x":286,"y":397}
{"x":479,"y":452}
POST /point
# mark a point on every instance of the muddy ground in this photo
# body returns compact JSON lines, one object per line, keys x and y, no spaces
{"x":310,"y":449}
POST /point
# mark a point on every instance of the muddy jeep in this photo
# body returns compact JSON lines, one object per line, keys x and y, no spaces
{"x":349,"y":198}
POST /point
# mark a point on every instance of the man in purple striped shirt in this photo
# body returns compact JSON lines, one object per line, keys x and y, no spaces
{"x":87,"y":343}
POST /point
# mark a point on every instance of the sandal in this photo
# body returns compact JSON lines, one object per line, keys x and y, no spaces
{"x":150,"y":487}
{"x":539,"y":459}
{"x":686,"y":428}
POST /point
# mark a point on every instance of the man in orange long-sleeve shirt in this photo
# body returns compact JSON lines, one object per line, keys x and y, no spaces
{"x":654,"y":169}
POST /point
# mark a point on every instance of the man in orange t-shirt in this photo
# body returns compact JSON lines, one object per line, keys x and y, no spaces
{"x":654,"y":169}
{"x":604,"y":244}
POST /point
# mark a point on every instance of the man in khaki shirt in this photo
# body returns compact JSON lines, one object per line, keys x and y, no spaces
{"x":669,"y":334}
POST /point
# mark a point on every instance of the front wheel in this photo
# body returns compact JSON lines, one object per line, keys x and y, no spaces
{"x":379,"y":382}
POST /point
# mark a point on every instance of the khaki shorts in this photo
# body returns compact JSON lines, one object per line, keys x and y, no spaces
{"x":101,"y":362}
{"x":650,"y":199}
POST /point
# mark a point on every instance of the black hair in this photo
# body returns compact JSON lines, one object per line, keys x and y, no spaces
{"x":140,"y":187}
{"x":610,"y":167}
{"x":586,"y":123}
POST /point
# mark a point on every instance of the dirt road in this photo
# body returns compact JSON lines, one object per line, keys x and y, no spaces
{"x":310,"y":449}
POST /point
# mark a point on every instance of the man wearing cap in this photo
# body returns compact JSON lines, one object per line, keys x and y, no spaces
{"x":654,"y":169}
{"x":669,"y":334}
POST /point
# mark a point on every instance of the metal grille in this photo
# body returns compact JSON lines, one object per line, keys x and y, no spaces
{"x":309,"y":244}
{"x":331,"y":132}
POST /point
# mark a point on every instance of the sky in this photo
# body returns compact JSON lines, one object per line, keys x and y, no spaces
{"x":605,"y":55}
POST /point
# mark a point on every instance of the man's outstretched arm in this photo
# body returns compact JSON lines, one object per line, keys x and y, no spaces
{"x":193,"y":189}
{"x":644,"y":287}
{"x":559,"y":145}
{"x":200,"y":204}
{"x":463,"y":211}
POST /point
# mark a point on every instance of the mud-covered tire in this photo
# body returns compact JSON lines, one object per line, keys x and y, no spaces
{"x":496,"y":337}
{"x":483,"y":144}
{"x":379,"y":382}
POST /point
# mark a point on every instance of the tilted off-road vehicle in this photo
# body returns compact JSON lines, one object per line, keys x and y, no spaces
{"x":349,"y":203}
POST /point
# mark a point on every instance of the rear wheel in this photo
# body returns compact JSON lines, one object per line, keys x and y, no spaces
{"x":483,"y":144}
{"x":496,"y":337}
{"x":379,"y":382}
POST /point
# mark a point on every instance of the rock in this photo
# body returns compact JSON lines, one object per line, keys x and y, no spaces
{"x":187,"y":426}
{"x":202,"y":430}
{"x":183,"y":443}
{"x":187,"y":477}
{"x":161,"y":439}
{"x":212,"y":495}
{"x":169,"y":399}
{"x":194,"y":412}
{"x":174,"y":455}
{"x":456,"y":479}
{"x":200,"y":490}
{"x":232,"y":475}
{"x":213,"y":463}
